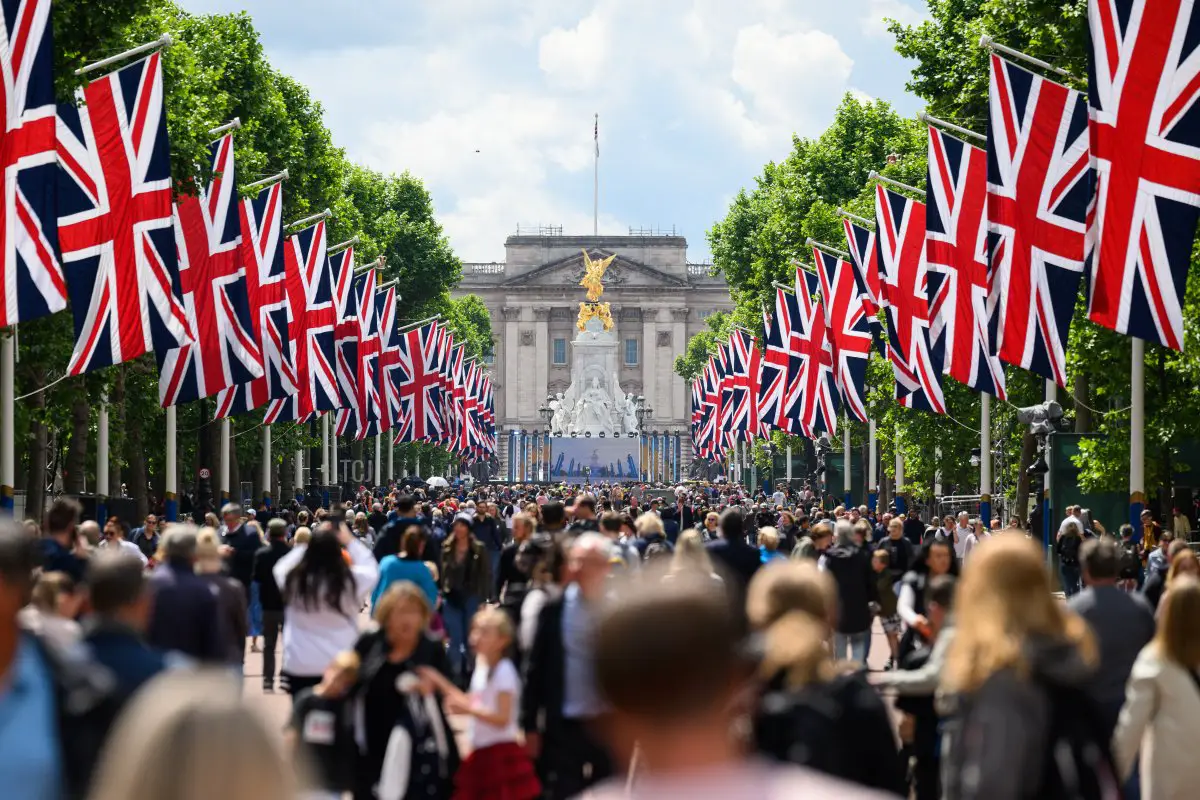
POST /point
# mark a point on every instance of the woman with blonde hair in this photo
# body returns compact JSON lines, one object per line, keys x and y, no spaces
{"x":194,"y":740}
{"x":1161,"y":715}
{"x":1018,"y":666}
{"x":691,"y":558}
{"x":231,"y":595}
{"x":812,"y":711}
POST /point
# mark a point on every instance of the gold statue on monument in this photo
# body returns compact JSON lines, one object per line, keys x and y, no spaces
{"x":592,"y":281}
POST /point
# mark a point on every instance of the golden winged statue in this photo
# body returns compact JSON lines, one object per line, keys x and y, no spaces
{"x":594,"y":271}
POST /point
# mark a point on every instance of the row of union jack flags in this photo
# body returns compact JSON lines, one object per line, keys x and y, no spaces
{"x":230,"y":307}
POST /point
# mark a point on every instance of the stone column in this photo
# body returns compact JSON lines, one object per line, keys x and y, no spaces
{"x":679,"y":395}
{"x":511,"y":313}
{"x":649,"y":363}
{"x":541,"y":375}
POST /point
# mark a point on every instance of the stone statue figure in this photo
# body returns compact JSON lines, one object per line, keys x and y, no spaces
{"x":630,"y":420}
{"x":595,"y":410}
{"x":558,"y":419}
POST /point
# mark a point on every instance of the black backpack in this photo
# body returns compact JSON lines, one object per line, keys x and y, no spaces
{"x":1077,"y":764}
{"x":1131,"y":562}
{"x":1068,"y":550}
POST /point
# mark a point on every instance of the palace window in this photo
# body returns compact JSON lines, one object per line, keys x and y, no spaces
{"x":560,"y":352}
{"x":631,"y":351}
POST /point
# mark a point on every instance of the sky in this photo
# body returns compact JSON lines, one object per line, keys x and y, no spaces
{"x":491,"y":102}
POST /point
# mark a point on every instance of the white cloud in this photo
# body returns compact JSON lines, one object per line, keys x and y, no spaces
{"x":576,"y":58}
{"x":873,"y":23}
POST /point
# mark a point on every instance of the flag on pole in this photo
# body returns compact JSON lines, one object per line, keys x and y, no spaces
{"x":419,"y":385}
{"x":956,"y":252}
{"x":345,"y":330}
{"x":744,"y":367}
{"x":115,"y":224}
{"x":34,"y":285}
{"x":1143,"y":82}
{"x":864,"y":258}
{"x":849,"y":335}
{"x":212,"y":276}
{"x":1039,"y":187}
{"x":817,"y":394}
{"x":389,"y":358}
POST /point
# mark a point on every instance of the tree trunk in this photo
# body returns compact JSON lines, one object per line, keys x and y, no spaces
{"x":117,"y":432}
{"x":235,"y":472}
{"x":287,"y":469}
{"x":1021,"y":500}
{"x":38,"y":445}
{"x":135,"y":454}
{"x":77,"y":450}
{"x":1083,"y":393}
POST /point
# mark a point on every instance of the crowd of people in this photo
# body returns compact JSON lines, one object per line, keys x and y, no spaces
{"x":607,"y":641}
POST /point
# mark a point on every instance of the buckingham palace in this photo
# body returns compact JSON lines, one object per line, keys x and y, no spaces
{"x":658,"y":300}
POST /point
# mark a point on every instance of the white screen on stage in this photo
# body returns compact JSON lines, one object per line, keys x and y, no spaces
{"x":577,"y":460}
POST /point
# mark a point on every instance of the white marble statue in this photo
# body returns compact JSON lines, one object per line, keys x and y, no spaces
{"x":558,"y":419}
{"x":594,"y":411}
{"x":629,"y":414}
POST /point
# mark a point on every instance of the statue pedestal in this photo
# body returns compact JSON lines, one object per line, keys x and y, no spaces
{"x":594,"y":403}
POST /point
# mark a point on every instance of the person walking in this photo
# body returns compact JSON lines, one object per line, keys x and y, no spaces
{"x":269,"y":595}
{"x":1161,"y":714}
{"x":1066,"y":547}
{"x":466,"y":581}
{"x":407,"y":566}
{"x":731,"y":555}
{"x":185,"y":616}
{"x":936,"y":558}
{"x":323,"y":595}
{"x":231,"y":598}
{"x":850,"y":568}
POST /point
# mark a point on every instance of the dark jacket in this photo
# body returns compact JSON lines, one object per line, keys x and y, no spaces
{"x":56,"y":558}
{"x":902,"y":556}
{"x":840,"y":727}
{"x":245,"y":544}
{"x":914,"y":530}
{"x":583,"y":526}
{"x":545,"y":672}
{"x":388,"y":543}
{"x":738,"y":559}
{"x":490,"y":531}
{"x":185,"y":616}
{"x":851,"y":571}
{"x":479,"y":569}
{"x":231,"y":602}
{"x":264,"y":561}
{"x":86,"y":708}
{"x":146,"y":542}
{"x":125,"y":653}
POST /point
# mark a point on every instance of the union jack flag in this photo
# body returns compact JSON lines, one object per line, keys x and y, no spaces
{"x":389,"y":357}
{"x":262,"y":252}
{"x":458,"y":395}
{"x":346,"y":330}
{"x":744,"y":366}
{"x":310,"y":300}
{"x":369,"y":346}
{"x":1143,"y":82}
{"x":33,"y":278}
{"x":697,"y":416}
{"x":777,"y":367}
{"x":1038,"y":191}
{"x":900,"y":240}
{"x":817,"y":394}
{"x":470,"y":420}
{"x":420,"y":385}
{"x":956,"y":252}
{"x":355,"y":328}
{"x":849,"y":335}
{"x":714,"y":427}
{"x":115,"y":224}
{"x":208,"y":236}
{"x":864,"y":258}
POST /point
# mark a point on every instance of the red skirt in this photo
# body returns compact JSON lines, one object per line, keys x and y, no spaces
{"x":500,"y":772}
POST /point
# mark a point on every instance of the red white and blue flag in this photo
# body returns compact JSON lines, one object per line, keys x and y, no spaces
{"x":389,"y":358}
{"x":419,"y":384}
{"x":34,"y":285}
{"x":956,"y":254}
{"x":1039,"y":187}
{"x":817,"y":394}
{"x":744,"y":367}
{"x":903,"y":280}
{"x":864,"y":258}
{"x":212,"y":276}
{"x":115,"y":222}
{"x":368,"y":400}
{"x":849,"y":334}
{"x":778,"y":366}
{"x":1143,"y":83}
{"x":345,"y":331}
{"x":262,"y":253}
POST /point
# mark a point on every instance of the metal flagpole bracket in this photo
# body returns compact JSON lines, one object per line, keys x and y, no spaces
{"x":875,"y":176}
{"x":950,"y":126}
{"x":988,"y":43}
{"x":788,"y":289}
{"x":378,"y":263}
{"x":811,"y":242}
{"x":387,"y":285}
{"x":337,"y":248}
{"x":798,"y":264}
{"x":425,"y":321}
{"x":841,"y":212}
{"x":163,"y":41}
{"x":320,"y":215}
{"x":233,"y":125}
{"x":276,"y":178}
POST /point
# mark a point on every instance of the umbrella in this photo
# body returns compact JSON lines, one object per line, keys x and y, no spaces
{"x":438,"y":482}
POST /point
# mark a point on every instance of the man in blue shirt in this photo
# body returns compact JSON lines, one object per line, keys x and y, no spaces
{"x":120,"y":596}
{"x":58,"y":546}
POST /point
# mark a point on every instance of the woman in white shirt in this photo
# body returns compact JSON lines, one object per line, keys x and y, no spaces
{"x":323,"y":595}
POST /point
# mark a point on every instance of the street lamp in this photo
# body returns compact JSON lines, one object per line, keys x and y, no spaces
{"x":545,"y":411}
{"x":642,"y":410}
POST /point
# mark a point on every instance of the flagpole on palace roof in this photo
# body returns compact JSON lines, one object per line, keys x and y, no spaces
{"x":596,"y":179}
{"x":841,"y":212}
{"x":875,"y":176}
{"x":276,"y":178}
{"x":163,"y":41}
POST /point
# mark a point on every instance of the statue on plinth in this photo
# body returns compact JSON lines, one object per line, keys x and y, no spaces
{"x":594,"y":412}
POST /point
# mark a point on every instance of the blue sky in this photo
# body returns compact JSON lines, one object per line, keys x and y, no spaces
{"x":694,"y":96}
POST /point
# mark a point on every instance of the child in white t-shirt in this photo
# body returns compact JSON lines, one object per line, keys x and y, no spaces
{"x":498,"y":765}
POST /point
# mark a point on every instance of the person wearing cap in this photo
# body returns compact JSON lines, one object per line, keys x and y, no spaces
{"x":585,"y":515}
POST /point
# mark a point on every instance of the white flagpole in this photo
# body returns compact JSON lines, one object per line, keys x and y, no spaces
{"x":298,"y":463}
{"x":1137,"y":434}
{"x":224,"y":490}
{"x":391,"y":472}
{"x":378,"y":459}
{"x":102,"y":460}
{"x":325,"y":449}
{"x":266,"y":465}
{"x":872,"y":467}
{"x":171,"y":486}
{"x":787,"y":469}
{"x":846,"y":460}
{"x":1047,"y":523}
{"x":8,"y":470}
{"x":596,"y":179}
{"x":901,"y":510}
{"x":333,"y":457}
{"x":985,"y":460}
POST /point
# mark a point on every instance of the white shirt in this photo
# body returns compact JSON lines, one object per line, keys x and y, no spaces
{"x":779,"y":498}
{"x":128,"y":547}
{"x":1062,"y":527}
{"x":313,"y":636}
{"x":960,"y":540}
{"x":486,"y":688}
